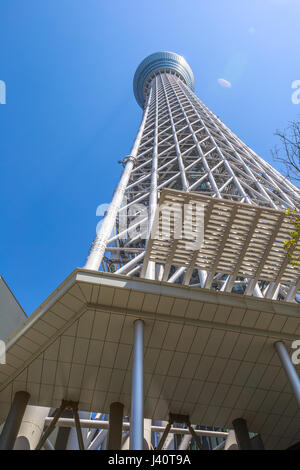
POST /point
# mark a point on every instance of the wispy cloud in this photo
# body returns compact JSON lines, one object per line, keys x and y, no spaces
{"x":283,"y":2}
{"x":224,"y":83}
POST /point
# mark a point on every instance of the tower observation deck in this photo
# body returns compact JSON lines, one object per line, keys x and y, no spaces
{"x":166,"y":62}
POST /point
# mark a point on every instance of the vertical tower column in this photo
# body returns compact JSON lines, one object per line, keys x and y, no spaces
{"x":13,"y":420}
{"x":242,"y":434}
{"x":288,"y":368}
{"x":137,"y":392}
{"x":115,"y":426}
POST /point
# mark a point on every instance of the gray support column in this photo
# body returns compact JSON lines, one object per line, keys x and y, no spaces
{"x":115,"y":426}
{"x":13,"y":420}
{"x":78,"y":429}
{"x":31,"y":427}
{"x":137,"y":393}
{"x":147,"y":434}
{"x":242,"y":434}
{"x":185,"y":442}
{"x":63,"y":434}
{"x":257,"y":443}
{"x":288,"y":368}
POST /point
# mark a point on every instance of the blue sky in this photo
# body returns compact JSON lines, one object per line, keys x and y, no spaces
{"x":70,"y":113}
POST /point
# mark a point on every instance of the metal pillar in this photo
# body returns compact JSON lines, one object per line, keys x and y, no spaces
{"x":98,"y":440}
{"x":115,"y":426}
{"x":183,"y":419}
{"x":257,"y":443}
{"x":184,"y":444}
{"x":31,"y":427}
{"x":49,"y":430}
{"x":78,"y":428}
{"x":13,"y":420}
{"x":195,"y":437}
{"x":64,"y":405}
{"x":63,"y":434}
{"x":73,"y":443}
{"x":242,"y":434}
{"x":137,"y":393}
{"x":288,"y":368}
{"x":164,"y":436}
{"x":147,"y":434}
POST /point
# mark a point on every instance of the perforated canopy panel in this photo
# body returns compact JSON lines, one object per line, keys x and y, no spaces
{"x":241,"y":240}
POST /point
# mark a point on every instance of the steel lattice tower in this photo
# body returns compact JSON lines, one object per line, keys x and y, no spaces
{"x":181,"y":145}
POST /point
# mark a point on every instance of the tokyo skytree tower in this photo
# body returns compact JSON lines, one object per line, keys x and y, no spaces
{"x":181,"y":145}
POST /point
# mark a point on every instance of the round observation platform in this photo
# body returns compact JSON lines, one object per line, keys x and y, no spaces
{"x":160,"y":61}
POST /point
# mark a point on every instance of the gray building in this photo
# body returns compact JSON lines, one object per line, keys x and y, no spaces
{"x":11,"y":313}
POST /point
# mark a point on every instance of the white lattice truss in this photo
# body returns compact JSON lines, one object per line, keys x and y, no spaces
{"x":182,"y":145}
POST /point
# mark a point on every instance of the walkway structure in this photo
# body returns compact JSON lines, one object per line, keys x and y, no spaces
{"x":195,"y":307}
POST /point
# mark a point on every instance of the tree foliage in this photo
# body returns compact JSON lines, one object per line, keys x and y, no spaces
{"x":291,"y":243}
{"x":288,"y":154}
